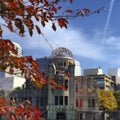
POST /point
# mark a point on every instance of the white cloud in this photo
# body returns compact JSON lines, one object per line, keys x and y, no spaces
{"x":113,"y":42}
{"x":73,"y":39}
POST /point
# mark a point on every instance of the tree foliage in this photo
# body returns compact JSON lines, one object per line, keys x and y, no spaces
{"x":117,"y":96}
{"x":23,"y":111}
{"x":107,"y":100}
{"x":21,"y":14}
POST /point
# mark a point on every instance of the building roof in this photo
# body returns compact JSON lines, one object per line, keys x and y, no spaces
{"x":61,"y":52}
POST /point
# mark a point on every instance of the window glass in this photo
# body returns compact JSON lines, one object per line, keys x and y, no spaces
{"x":66,"y":100}
{"x":61,"y":100}
{"x":56,"y":100}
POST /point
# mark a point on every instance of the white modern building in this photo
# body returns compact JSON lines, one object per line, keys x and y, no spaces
{"x":77,"y":68}
{"x":114,"y":71}
{"x":93,"y":71}
{"x":8,"y":81}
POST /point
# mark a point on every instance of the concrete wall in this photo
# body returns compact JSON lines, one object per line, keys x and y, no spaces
{"x":97,"y":115}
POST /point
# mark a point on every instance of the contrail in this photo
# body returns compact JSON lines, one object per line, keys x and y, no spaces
{"x":107,"y":22}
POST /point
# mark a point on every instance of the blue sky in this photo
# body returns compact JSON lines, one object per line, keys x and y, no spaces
{"x":94,"y":40}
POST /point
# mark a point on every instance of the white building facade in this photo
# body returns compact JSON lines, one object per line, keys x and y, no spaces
{"x":8,"y":81}
{"x":115,"y":73}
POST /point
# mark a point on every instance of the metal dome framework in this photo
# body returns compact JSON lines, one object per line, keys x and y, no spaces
{"x":61,"y":52}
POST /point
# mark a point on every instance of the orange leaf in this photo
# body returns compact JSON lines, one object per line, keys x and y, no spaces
{"x":46,"y":3}
{"x":62,"y":22}
{"x":69,"y":11}
{"x":54,"y":9}
{"x":67,"y":75}
{"x":38,"y":29}
{"x":53,"y":27}
{"x":43,"y":23}
{"x":12,"y":118}
{"x":62,"y":87}
{"x":11,"y":70}
{"x":1,"y":31}
{"x":32,"y":1}
{"x":10,"y":27}
{"x":31,"y":10}
{"x":52,"y":80}
{"x":2,"y":111}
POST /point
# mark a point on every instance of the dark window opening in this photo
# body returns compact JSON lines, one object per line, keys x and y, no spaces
{"x":89,"y":102}
{"x":66,"y":100}
{"x":56,"y":100}
{"x":66,"y":83}
{"x":41,"y":101}
{"x":93,"y":102}
{"x":61,"y":116}
{"x":61,"y":100}
{"x":81,"y":116}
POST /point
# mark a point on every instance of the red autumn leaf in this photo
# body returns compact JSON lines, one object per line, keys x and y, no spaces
{"x":31,"y":10}
{"x":42,"y":74}
{"x":43,"y":23}
{"x":54,"y":9}
{"x":69,"y":11}
{"x":38,"y":29}
{"x":62,"y":87}
{"x":67,"y":75}
{"x":10,"y":27}
{"x":1,"y":31}
{"x":2,"y":111}
{"x":62,"y":22}
{"x":11,"y":70}
{"x":52,"y":80}
{"x":54,"y":27}
{"x":20,"y":11}
{"x":36,"y":109}
{"x":46,"y":3}
{"x":12,"y":117}
{"x":32,"y":1}
{"x":21,"y":3}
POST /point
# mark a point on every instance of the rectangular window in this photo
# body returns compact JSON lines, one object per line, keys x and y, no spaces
{"x":81,"y":116}
{"x":66,"y":83}
{"x":66,"y":100}
{"x":79,"y":102}
{"x":89,"y":102}
{"x":45,"y":101}
{"x":93,"y":102}
{"x":56,"y":100}
{"x":41,"y":101}
{"x":76,"y":88}
{"x":61,"y":100}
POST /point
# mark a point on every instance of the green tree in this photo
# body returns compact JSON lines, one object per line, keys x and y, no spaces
{"x":117,"y":96}
{"x":107,"y":100}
